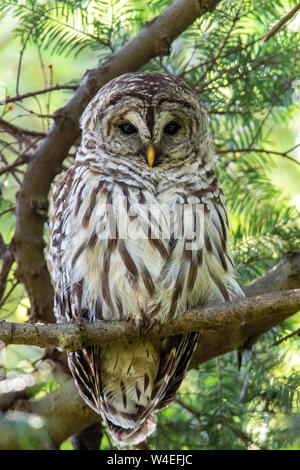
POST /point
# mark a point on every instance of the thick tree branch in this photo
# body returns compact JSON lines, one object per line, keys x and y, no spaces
{"x":63,"y":413}
{"x":283,"y":276}
{"x":246,"y":317}
{"x":153,"y":40}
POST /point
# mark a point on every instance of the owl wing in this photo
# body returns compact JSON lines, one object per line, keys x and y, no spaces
{"x":185,"y":347}
{"x":173,"y":364}
{"x":67,"y":298}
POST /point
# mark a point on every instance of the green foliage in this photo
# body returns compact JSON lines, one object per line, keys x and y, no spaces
{"x":25,"y":430}
{"x":220,"y":407}
{"x":247,"y":86}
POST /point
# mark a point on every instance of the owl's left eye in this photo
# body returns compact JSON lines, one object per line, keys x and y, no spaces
{"x":172,"y":128}
{"x":128,"y":129}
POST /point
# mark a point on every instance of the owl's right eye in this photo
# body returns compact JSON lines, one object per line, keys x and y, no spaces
{"x":128,"y":129}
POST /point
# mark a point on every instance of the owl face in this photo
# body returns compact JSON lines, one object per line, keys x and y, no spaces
{"x":153,"y":119}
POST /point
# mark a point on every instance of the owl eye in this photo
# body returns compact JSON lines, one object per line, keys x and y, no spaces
{"x":128,"y":129}
{"x":172,"y":128}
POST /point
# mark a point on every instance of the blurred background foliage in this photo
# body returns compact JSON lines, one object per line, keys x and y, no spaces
{"x":251,"y":91}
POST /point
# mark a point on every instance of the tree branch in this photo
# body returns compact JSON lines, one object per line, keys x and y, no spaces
{"x":283,"y":276}
{"x":258,"y":150}
{"x":153,"y":40}
{"x":37,"y":92}
{"x":19,"y":132}
{"x":282,"y":22}
{"x":7,"y":259}
{"x":63,"y":413}
{"x":89,"y":438}
{"x":245,"y":317}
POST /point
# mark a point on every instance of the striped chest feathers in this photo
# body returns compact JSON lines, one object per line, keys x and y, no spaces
{"x":136,"y":249}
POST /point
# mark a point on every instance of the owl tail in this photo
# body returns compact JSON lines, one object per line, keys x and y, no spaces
{"x":126,"y":411}
{"x":84,"y":366}
{"x":125,"y":436}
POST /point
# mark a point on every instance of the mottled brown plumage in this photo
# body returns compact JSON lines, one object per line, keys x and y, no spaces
{"x":116,"y":252}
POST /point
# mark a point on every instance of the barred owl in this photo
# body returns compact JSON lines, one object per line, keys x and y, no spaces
{"x":146,"y":150}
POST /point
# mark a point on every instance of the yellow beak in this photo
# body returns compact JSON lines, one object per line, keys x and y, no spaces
{"x":150,"y":155}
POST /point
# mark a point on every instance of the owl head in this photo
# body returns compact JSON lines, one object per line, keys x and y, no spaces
{"x":152,"y":118}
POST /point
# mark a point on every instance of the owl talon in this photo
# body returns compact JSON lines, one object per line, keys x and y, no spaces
{"x":150,"y":325}
{"x":145,"y":325}
{"x":140,"y":327}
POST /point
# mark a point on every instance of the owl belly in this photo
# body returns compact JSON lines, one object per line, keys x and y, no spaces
{"x":127,"y":279}
{"x":118,"y":280}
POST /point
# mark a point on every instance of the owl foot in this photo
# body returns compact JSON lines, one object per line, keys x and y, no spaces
{"x":140,"y":327}
{"x":148,"y":325}
{"x":144,"y":325}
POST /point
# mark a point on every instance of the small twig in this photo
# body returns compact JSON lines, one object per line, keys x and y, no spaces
{"x":12,"y":288}
{"x":297,"y":332}
{"x":10,"y":209}
{"x":12,"y":170}
{"x":262,"y":123}
{"x":273,"y":104}
{"x":33,"y":113}
{"x":21,"y":58}
{"x":220,"y":382}
{"x":49,"y":95}
{"x":42,"y":66}
{"x":19,"y":161}
{"x":9,"y":146}
{"x":18,"y":131}
{"x":244,"y":387}
{"x":281,"y":22}
{"x":24,"y":157}
{"x":234,"y":50}
{"x":235,"y":20}
{"x":188,"y":408}
{"x":258,"y":150}
{"x":245,"y":438}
